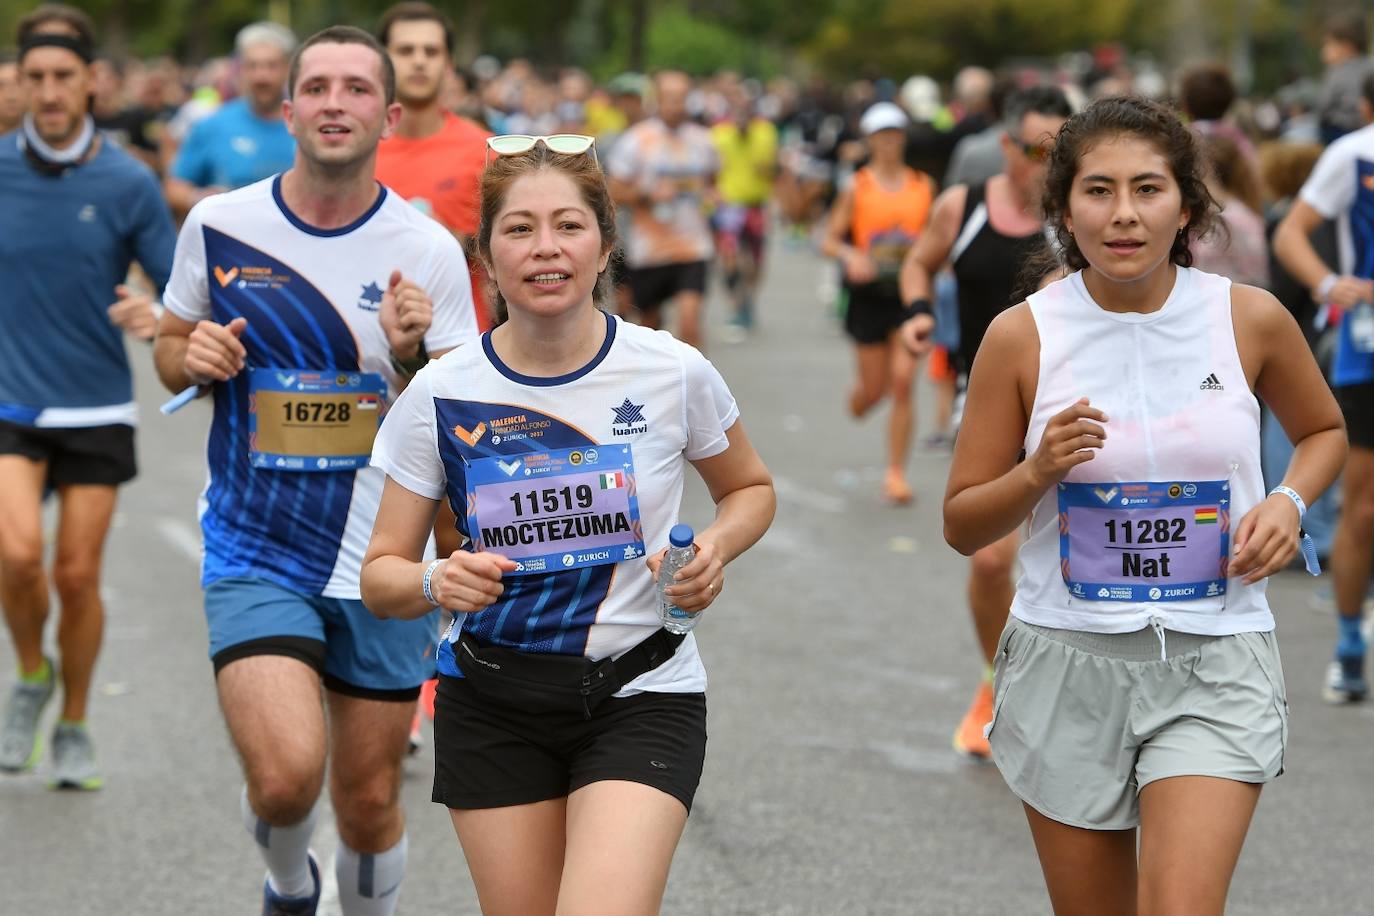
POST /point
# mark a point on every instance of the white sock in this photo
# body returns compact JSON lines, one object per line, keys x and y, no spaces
{"x":286,"y":850}
{"x":369,"y":884}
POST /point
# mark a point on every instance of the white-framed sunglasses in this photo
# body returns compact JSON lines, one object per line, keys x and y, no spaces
{"x":564,"y":144}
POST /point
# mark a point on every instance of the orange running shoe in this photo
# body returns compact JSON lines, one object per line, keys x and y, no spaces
{"x":896,"y":490}
{"x":968,"y":737}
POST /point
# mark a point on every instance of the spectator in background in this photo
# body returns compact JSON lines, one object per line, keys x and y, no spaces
{"x":11,"y":94}
{"x":748,"y":148}
{"x":459,"y":95}
{"x":978,"y":157}
{"x":211,"y":85}
{"x":130,"y":126}
{"x":1345,"y":43}
{"x":1206,"y":93}
{"x":927,"y":145}
{"x":1236,"y":248}
{"x":244,"y":140}
{"x":663,"y":170}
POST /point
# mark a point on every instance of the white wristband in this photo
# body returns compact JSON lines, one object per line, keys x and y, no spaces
{"x":1293,"y":495}
{"x":429,"y":574}
{"x":1324,"y":288}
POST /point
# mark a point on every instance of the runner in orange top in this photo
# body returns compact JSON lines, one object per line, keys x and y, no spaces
{"x":873,"y":223}
{"x":435,"y":158}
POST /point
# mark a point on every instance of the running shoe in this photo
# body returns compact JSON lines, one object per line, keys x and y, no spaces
{"x":73,"y":759}
{"x":896,"y":490}
{"x":274,"y":904}
{"x":733,"y":333}
{"x":20,"y":746}
{"x":969,"y":739}
{"x":1345,"y":682}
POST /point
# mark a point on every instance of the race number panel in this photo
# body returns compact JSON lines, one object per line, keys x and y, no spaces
{"x":1144,"y":541}
{"x":313,"y":421}
{"x":555,"y":510}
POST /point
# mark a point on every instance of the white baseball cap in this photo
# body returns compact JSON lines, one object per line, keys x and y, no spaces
{"x":883,"y":116}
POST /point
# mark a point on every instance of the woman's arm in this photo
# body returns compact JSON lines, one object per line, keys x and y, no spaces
{"x":393,"y":572}
{"x":742,"y":489}
{"x":989,"y":493}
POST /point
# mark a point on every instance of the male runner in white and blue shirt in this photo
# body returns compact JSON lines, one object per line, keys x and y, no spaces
{"x":305,"y":302}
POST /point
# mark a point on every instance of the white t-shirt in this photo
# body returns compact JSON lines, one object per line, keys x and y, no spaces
{"x":676,"y":231}
{"x":312,"y":299}
{"x":644,"y":388}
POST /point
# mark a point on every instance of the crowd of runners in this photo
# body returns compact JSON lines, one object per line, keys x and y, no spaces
{"x":417,"y":295}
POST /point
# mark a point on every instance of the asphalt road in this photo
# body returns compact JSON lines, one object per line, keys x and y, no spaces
{"x":841,"y":657}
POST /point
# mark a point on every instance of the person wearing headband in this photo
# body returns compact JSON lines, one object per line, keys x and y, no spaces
{"x":75,"y":211}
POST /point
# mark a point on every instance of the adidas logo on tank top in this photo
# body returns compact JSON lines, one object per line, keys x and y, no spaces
{"x":1212,"y":383}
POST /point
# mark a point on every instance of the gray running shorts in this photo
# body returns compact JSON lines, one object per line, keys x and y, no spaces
{"x":1083,"y":721}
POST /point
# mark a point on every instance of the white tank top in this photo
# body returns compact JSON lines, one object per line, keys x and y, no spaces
{"x":1179,"y":410}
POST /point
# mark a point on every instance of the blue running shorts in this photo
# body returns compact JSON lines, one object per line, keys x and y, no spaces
{"x":354,"y":652}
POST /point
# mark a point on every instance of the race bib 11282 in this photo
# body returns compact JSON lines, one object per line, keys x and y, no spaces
{"x":1143,"y":541}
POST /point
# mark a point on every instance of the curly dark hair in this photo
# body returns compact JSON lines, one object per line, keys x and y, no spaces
{"x":1137,"y":117}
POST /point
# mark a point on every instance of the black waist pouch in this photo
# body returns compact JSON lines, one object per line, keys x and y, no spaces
{"x":545,"y":682}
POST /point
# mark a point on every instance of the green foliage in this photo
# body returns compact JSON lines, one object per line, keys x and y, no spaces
{"x":839,"y":38}
{"x":936,"y":37}
{"x":683,"y":41}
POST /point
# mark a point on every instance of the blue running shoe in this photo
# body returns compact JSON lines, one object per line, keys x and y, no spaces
{"x":273,"y":904}
{"x":1345,"y":682}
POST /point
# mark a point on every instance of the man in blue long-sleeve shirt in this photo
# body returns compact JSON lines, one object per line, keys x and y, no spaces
{"x":75,"y":212}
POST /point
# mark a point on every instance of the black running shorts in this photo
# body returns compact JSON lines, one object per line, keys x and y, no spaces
{"x":489,"y":755}
{"x":873,"y":312}
{"x":1357,"y":403}
{"x":652,"y":287}
{"x":77,"y":455}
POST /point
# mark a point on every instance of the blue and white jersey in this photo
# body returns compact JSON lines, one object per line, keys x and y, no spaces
{"x":1341,"y":187}
{"x":312,"y":299}
{"x":65,"y":244}
{"x":643,"y":388}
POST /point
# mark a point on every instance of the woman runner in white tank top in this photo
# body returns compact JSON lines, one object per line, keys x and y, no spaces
{"x":1138,"y":683}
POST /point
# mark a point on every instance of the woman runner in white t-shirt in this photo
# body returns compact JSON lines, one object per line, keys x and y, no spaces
{"x":560,"y":440}
{"x":1138,"y":696}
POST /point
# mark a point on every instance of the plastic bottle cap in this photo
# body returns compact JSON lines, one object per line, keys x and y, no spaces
{"x":681,"y":536}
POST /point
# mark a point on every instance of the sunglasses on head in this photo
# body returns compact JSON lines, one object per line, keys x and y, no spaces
{"x":564,"y":144}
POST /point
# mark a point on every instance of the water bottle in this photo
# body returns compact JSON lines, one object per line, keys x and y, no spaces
{"x":680,"y":553}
